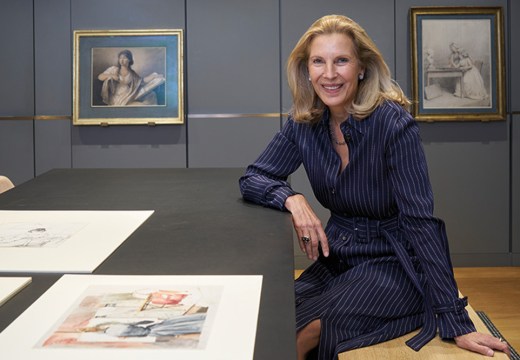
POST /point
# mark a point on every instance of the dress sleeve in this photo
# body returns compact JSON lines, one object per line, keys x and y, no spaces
{"x":409,"y":177}
{"x":265,"y":181}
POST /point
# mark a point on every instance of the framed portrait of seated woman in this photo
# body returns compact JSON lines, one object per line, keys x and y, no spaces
{"x":125,"y":77}
{"x":457,"y":63}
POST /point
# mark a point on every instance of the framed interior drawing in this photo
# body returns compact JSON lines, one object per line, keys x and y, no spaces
{"x":137,"y":317}
{"x":128,"y":77}
{"x":457,"y":63}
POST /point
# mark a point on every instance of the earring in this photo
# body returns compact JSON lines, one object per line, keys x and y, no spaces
{"x":309,"y":78}
{"x":361,"y":76}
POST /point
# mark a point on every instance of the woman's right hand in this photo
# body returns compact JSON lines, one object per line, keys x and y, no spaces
{"x":307,"y":225}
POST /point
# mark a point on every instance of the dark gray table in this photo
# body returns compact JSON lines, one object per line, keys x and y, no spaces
{"x":200,"y":226}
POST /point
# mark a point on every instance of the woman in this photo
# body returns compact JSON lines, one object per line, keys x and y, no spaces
{"x":473,"y":84}
{"x":382,"y":266}
{"x":123,"y":86}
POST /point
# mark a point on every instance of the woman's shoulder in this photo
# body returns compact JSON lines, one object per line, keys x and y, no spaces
{"x":112,"y":69}
{"x":390,"y":113}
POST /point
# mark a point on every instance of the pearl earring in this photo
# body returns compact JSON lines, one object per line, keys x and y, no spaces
{"x":309,"y":78}
{"x":361,"y":76}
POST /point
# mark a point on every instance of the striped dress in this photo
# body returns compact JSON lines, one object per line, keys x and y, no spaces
{"x":389,"y":270}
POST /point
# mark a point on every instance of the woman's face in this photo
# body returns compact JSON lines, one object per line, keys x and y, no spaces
{"x":123,"y":60}
{"x":334,"y":70}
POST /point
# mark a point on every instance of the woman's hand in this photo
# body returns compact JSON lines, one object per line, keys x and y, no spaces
{"x":484,"y":344}
{"x":307,"y":225}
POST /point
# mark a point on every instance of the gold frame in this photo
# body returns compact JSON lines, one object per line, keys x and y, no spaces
{"x":496,"y":109}
{"x":87,"y":110}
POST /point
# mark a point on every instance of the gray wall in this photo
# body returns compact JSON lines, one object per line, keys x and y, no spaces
{"x":235,"y":53}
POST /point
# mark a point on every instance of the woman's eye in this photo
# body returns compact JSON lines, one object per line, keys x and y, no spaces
{"x":342,"y":60}
{"x":317,"y":61}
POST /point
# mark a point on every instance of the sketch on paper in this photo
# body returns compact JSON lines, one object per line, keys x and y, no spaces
{"x":457,"y":63}
{"x":37,"y":235}
{"x":173,"y":317}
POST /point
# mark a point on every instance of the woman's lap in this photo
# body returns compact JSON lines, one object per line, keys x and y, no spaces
{"x":375,"y":297}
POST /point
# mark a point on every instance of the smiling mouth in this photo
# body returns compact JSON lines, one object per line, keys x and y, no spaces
{"x":332,"y":87}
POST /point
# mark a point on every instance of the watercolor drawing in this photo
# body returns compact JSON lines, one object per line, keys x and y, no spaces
{"x":173,"y":317}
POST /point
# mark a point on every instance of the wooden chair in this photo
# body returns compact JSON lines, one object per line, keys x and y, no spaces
{"x":5,"y":184}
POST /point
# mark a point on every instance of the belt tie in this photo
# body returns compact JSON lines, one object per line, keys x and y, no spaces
{"x":385,"y":228}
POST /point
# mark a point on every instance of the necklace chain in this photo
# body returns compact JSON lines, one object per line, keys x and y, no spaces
{"x":334,"y":139}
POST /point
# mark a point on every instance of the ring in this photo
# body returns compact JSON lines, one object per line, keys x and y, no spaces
{"x":306,"y":239}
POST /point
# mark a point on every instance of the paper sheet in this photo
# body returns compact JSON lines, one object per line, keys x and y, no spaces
{"x":63,"y":241}
{"x":85,"y":317}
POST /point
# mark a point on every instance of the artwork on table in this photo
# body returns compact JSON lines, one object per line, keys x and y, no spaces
{"x":128,"y":77}
{"x":139,"y":317}
{"x":457,"y":63}
{"x":63,"y":241}
{"x":10,"y":286}
{"x":32,"y":234}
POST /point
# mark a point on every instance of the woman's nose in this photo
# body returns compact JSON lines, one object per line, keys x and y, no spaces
{"x":330,"y":71}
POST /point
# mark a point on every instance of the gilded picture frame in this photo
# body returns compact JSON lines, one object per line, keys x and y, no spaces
{"x":457,"y":63}
{"x":128,"y":77}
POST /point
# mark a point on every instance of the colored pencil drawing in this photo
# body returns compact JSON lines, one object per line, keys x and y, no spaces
{"x":37,"y":235}
{"x":174,"y":317}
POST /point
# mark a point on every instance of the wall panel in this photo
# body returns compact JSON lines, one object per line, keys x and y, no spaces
{"x":53,"y":84}
{"x":17,"y":91}
{"x":233,"y":57}
{"x":235,"y":142}
{"x":16,"y":57}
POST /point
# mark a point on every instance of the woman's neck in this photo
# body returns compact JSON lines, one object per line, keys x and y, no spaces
{"x":339,"y":118}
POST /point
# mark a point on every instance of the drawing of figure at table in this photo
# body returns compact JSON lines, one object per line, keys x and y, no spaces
{"x":454,"y":82}
{"x":455,"y":55}
{"x":472,"y":83}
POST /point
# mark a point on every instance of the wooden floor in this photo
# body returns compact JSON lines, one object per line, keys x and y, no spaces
{"x":496,"y":291}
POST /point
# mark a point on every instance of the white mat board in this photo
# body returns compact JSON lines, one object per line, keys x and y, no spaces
{"x":10,"y":286}
{"x":229,"y":332}
{"x":63,"y":241}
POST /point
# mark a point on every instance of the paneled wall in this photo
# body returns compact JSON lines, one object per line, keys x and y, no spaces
{"x":235,"y":90}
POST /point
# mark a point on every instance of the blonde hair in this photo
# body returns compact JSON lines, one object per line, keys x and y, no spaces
{"x":376,"y":87}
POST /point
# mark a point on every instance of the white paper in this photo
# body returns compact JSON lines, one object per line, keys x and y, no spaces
{"x":228,"y":333}
{"x":10,"y":286}
{"x":63,"y":241}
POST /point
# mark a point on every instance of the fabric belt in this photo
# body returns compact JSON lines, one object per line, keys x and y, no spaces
{"x":365,"y":229}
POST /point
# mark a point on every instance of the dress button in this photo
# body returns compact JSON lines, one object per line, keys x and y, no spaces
{"x":332,"y":191}
{"x":343,"y":238}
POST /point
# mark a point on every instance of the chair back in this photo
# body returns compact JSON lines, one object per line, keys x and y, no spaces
{"x":5,"y":184}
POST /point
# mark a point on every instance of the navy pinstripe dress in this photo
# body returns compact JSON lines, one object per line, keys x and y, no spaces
{"x":389,"y":270}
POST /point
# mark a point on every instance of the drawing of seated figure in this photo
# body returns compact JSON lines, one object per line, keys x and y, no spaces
{"x":473,"y":83}
{"x":122,"y":86}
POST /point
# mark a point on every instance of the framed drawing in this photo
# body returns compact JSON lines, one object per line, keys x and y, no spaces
{"x":457,"y":63}
{"x":128,"y":77}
